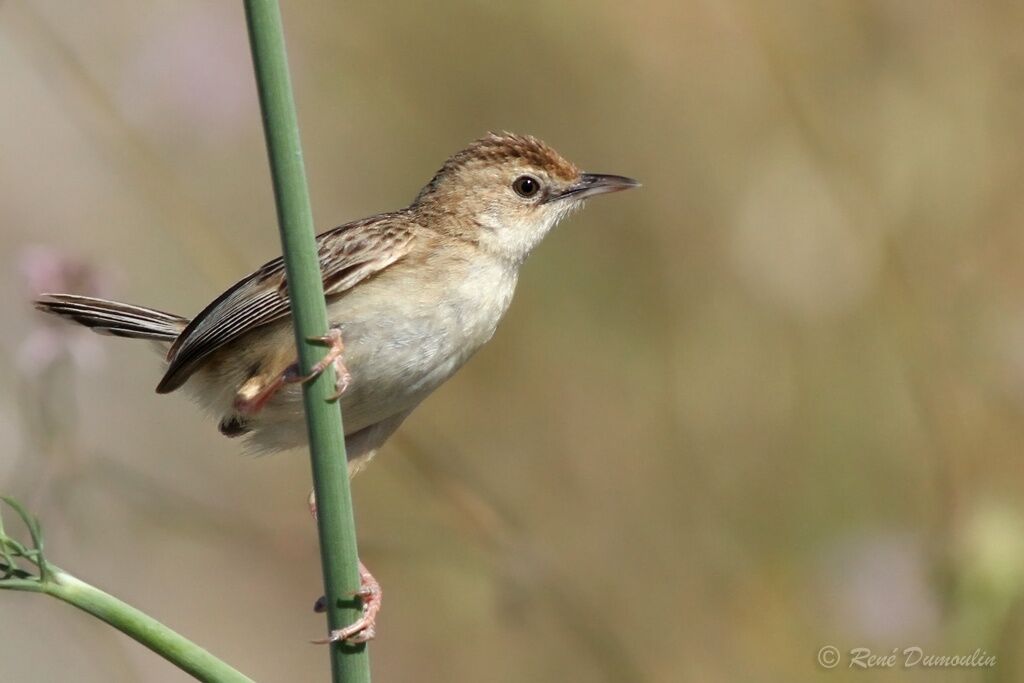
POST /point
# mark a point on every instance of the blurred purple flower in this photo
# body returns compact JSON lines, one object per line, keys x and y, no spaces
{"x":45,"y":269}
{"x":877,"y":587}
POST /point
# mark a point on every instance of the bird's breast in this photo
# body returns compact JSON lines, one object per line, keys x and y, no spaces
{"x":406,"y":333}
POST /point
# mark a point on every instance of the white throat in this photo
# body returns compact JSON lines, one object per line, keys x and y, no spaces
{"x":513,"y":239}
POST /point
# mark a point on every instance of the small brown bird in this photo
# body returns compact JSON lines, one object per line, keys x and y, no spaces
{"x":411,"y":295}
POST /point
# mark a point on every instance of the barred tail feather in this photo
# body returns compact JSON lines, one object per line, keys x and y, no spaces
{"x":114,"y":318}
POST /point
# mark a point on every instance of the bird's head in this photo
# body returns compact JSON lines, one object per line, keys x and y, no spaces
{"x":507,"y":191}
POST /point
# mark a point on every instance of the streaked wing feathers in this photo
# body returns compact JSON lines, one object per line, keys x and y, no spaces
{"x":348,"y":255}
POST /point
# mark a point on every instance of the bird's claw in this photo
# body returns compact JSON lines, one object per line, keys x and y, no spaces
{"x":362,"y":629}
{"x":333,"y":357}
{"x":342,"y":378}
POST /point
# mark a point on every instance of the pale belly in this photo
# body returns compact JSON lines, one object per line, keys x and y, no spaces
{"x":401,"y":343}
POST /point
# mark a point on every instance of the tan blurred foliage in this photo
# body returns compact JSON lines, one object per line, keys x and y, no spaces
{"x":772,"y":401}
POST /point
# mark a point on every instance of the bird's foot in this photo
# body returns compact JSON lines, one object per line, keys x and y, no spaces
{"x":362,"y":629}
{"x":257,"y":391}
{"x":333,"y":357}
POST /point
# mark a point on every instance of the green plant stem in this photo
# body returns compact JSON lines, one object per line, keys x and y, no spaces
{"x":23,"y":568}
{"x":327,"y":444}
{"x":176,"y":649}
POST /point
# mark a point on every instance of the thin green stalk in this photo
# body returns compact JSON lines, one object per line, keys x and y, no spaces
{"x":176,"y":649}
{"x":24,"y":568}
{"x":326,"y":441}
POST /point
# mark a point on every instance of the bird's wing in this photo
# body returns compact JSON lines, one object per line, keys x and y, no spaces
{"x":348,"y":255}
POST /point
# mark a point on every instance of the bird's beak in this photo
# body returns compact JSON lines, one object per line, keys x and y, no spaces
{"x":591,"y":184}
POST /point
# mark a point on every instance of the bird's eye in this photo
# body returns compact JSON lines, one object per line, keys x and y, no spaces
{"x":526,"y":186}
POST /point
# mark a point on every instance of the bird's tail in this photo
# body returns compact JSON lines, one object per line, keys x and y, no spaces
{"x":112,"y":317}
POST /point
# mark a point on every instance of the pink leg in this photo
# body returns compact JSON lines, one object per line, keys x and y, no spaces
{"x":336,"y":348}
{"x":252,"y":397}
{"x":364,"y":628}
{"x":370,"y":594}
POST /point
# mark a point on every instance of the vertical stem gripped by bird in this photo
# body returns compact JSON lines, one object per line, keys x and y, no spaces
{"x":335,"y":522}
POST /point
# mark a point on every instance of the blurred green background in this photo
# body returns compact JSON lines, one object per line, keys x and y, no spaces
{"x":770,"y":402}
